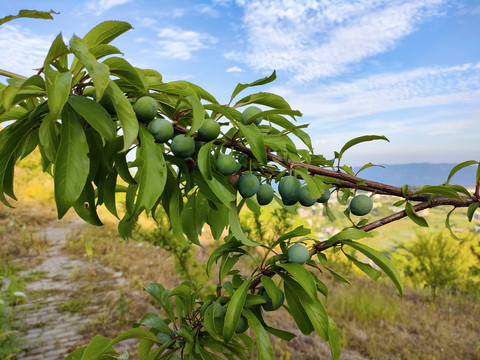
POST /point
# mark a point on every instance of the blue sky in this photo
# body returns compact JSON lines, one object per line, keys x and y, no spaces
{"x":409,"y":69}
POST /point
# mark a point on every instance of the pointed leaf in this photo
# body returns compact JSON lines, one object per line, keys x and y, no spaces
{"x":254,"y":137}
{"x":96,"y":115}
{"x":359,"y":140}
{"x":458,"y":167}
{"x":72,"y":163}
{"x":236,"y":228}
{"x":234,"y":310}
{"x":58,"y":89}
{"x":97,"y":71}
{"x":264,"y":347}
{"x":263,"y":81}
{"x":380,"y":260}
{"x":125,"y":114}
{"x":420,"y":221}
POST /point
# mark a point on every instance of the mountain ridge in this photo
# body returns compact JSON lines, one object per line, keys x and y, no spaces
{"x":418,"y":174}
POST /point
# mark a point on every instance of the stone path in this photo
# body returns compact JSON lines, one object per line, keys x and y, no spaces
{"x":52,"y":334}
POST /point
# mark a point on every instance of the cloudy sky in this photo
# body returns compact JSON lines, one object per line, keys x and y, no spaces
{"x":407,"y":69}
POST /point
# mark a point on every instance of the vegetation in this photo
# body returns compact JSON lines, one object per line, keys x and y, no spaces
{"x":81,"y":146}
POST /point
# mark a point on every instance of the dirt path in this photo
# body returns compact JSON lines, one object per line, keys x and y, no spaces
{"x":52,"y":331}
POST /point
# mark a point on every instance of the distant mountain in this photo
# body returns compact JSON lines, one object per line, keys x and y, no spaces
{"x":419,"y":174}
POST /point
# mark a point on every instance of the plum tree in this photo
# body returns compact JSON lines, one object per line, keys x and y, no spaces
{"x":209,"y":130}
{"x":183,"y":146}
{"x":61,"y":111}
{"x":361,"y":205}
{"x":226,"y":164}
{"x":146,"y":108}
{"x":250,"y":112}
{"x":305,"y":198}
{"x":325,"y":197}
{"x":265,"y":194}
{"x":161,"y":129}
{"x":248,"y":185}
{"x":298,"y":254}
{"x":289,"y":189}
{"x":268,"y":305}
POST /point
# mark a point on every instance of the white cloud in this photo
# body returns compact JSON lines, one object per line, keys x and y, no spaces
{"x":100,"y":6}
{"x":176,"y":43}
{"x":387,"y":92}
{"x":235,"y":69}
{"x":317,"y":39}
{"x":22,"y":51}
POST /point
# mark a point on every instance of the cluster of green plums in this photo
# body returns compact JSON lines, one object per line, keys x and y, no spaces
{"x":290,"y":188}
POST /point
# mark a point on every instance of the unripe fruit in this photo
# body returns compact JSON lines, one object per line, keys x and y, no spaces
{"x":146,"y":108}
{"x":305,"y":198}
{"x":161,"y":129}
{"x":226,"y":164}
{"x":264,"y":194}
{"x":183,"y":146}
{"x":298,"y":254}
{"x":249,"y":112}
{"x":324,"y":198}
{"x":233,"y":179}
{"x":242,"y":325}
{"x":268,"y":306}
{"x":209,"y":130}
{"x":289,"y":188}
{"x":361,"y":205}
{"x":248,"y":185}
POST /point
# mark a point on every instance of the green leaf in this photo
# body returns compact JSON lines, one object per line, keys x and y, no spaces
{"x":312,"y":308}
{"x":439,"y":190}
{"x":200,"y":92}
{"x":198,"y":115}
{"x":122,"y":68}
{"x":34,"y":14}
{"x":229,"y":247}
{"x":96,"y":347}
{"x":303,"y":277}
{"x":125,"y":114}
{"x":236,"y":228}
{"x":254,"y":137}
{"x":71,"y":164}
{"x":272,"y":290}
{"x":58,"y":89}
{"x":334,"y":339}
{"x":359,"y":140}
{"x":380,"y":260}
{"x":105,"y":32}
{"x":447,"y":224}
{"x":85,"y":206}
{"x":264,"y":98}
{"x":471,"y":210}
{"x":264,"y":347}
{"x":315,"y":190}
{"x":234,"y":310}
{"x":152,"y":173}
{"x":337,"y":276}
{"x":366,"y":268}
{"x":263,"y":81}
{"x":95,"y":350}
{"x":409,"y":209}
{"x":458,"y":167}
{"x":204,"y":163}
{"x":96,"y":115}
{"x":349,"y":233}
{"x":98,"y":72}
{"x":77,"y":354}
{"x":58,"y":54}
